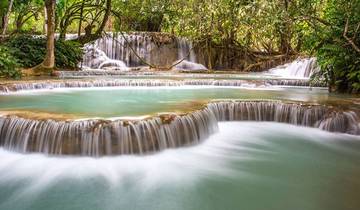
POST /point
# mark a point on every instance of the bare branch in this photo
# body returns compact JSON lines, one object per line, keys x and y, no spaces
{"x":356,"y":31}
{"x":350,"y":41}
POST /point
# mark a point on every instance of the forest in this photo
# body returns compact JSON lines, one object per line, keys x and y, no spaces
{"x":242,"y":35}
{"x":179,"y":104}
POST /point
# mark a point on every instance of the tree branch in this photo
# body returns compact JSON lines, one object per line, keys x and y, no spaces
{"x":307,"y":17}
{"x":350,"y":41}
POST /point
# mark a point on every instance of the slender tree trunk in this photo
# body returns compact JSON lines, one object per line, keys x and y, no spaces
{"x":49,"y":61}
{"x":18,"y":22}
{"x":7,"y":16}
{"x":45,"y":22}
{"x":208,"y":44}
{"x":81,"y":17}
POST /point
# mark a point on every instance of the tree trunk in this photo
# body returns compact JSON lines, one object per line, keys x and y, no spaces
{"x":45,"y":22}
{"x":81,"y":17}
{"x":208,"y":45}
{"x":7,"y":16}
{"x":19,"y":22}
{"x":49,"y":61}
{"x":48,"y":64}
{"x":285,"y":46}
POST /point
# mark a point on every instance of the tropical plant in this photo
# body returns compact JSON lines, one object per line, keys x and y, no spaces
{"x":337,"y":45}
{"x":8,"y":64}
{"x":30,"y":51}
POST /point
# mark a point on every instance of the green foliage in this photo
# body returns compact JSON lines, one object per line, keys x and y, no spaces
{"x":144,"y":15}
{"x":68,"y":54}
{"x":3,"y":6}
{"x":230,"y":28}
{"x":30,"y":51}
{"x":338,"y":59}
{"x":8,"y":64}
{"x":26,"y":16}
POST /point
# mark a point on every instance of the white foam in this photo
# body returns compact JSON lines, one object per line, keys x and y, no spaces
{"x":190,"y":66}
{"x":33,"y":174}
{"x":299,"y":69}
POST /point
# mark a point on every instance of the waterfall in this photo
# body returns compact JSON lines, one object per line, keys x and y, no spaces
{"x":298,"y":82}
{"x":185,"y":48}
{"x":187,"y":57}
{"x":47,"y":85}
{"x":102,"y":137}
{"x":154,"y":48}
{"x":116,"y":47}
{"x":84,"y":84}
{"x":105,"y":137}
{"x":97,"y":59}
{"x":300,"y":68}
{"x":188,"y":66}
{"x":295,"y":82}
{"x":317,"y":116}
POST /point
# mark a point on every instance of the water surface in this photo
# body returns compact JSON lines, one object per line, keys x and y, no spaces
{"x":252,"y":166}
{"x":135,"y":101}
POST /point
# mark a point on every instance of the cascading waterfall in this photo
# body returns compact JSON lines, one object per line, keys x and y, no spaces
{"x":131,"y":49}
{"x":295,"y":82}
{"x":186,"y":50}
{"x":317,"y":116}
{"x":187,"y":57}
{"x":300,"y":68}
{"x":279,"y":82}
{"x":97,"y":59}
{"x":104,"y":137}
{"x":297,"y":73}
{"x":118,"y":47}
{"x":16,"y":87}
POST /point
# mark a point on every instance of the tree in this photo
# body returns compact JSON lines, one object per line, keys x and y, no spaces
{"x":93,"y":16}
{"x":337,"y":45}
{"x":5,"y":21}
{"x":25,"y":11}
{"x":49,"y":61}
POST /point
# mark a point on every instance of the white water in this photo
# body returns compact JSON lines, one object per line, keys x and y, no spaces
{"x":185,"y":47}
{"x":100,"y":137}
{"x":299,"y":69}
{"x":97,"y":59}
{"x":187,"y":54}
{"x":267,"y":161}
{"x":118,"y":51}
{"x":189,"y":66}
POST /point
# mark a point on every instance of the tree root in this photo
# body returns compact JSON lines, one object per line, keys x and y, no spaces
{"x":39,"y":70}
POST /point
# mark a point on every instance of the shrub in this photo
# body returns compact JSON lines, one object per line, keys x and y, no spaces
{"x":68,"y":54}
{"x":30,"y":51}
{"x":8,"y":64}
